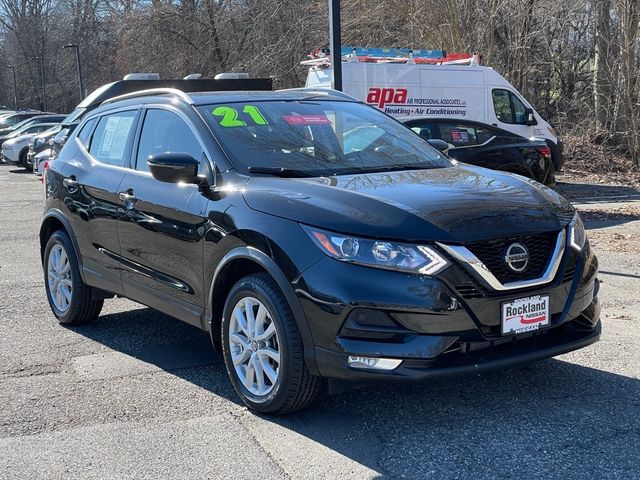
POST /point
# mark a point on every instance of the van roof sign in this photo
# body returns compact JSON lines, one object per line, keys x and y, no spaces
{"x":321,"y":57}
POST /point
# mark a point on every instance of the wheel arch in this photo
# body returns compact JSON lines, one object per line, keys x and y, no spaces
{"x":24,"y":151}
{"x":242,"y":261}
{"x":55,"y":220}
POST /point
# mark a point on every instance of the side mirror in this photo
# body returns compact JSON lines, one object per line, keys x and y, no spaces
{"x":174,"y":168}
{"x":530,"y":118}
{"x":439,"y":145}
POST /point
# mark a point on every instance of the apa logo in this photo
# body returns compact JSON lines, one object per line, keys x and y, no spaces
{"x":383,"y":96}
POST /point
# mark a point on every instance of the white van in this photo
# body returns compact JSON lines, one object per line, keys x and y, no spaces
{"x":472,"y":92}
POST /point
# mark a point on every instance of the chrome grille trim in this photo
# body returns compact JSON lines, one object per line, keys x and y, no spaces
{"x":479,"y":270}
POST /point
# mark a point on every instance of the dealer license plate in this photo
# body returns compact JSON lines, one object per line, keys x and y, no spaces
{"x":525,"y":314}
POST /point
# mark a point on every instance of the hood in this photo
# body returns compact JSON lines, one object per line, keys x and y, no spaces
{"x":43,"y":154}
{"x":17,"y":140}
{"x":10,"y":142}
{"x":456,"y":204}
{"x":23,"y":138}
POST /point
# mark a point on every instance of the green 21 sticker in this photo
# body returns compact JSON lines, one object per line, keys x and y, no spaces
{"x":229,"y":116}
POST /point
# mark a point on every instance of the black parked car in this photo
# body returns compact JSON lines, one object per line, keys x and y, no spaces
{"x":308,"y":251}
{"x":490,"y":147}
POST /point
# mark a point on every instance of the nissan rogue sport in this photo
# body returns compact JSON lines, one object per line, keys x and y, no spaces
{"x":313,"y":237}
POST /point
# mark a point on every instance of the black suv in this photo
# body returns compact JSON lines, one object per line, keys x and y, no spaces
{"x":308,"y":247}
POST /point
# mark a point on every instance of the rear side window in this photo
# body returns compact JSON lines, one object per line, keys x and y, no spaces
{"x":426,"y":131}
{"x":508,"y":107}
{"x":164,"y":131}
{"x":111,"y":136}
{"x":462,"y":135}
{"x":458,"y":135}
{"x":85,"y":134}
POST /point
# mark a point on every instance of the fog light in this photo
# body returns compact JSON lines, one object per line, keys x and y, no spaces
{"x":374,"y":363}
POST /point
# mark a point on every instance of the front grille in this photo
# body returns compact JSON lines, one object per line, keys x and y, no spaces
{"x":492,"y":252}
{"x":569,"y":273}
{"x":469,"y":291}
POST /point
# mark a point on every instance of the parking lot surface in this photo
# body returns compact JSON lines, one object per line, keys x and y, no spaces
{"x":140,"y":395}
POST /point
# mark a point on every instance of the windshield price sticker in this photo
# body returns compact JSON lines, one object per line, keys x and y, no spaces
{"x":228,"y":116}
{"x":306,"y":119}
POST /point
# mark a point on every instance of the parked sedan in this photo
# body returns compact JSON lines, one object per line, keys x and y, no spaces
{"x":488,"y":146}
{"x":13,"y":118}
{"x":48,"y":118}
{"x":14,"y":150}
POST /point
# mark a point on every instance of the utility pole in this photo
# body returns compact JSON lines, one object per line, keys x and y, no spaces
{"x":44,"y":88}
{"x":15,"y":87}
{"x":335,"y":44}
{"x":80,"y":82}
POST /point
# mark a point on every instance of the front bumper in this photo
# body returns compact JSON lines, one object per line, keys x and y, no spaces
{"x":465,"y":361}
{"x":438,"y":326}
{"x":9,"y":156}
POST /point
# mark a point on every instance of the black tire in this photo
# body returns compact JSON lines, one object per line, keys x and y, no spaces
{"x":295,"y":387}
{"x":23,"y":158}
{"x":550,"y":181}
{"x":82,"y":307}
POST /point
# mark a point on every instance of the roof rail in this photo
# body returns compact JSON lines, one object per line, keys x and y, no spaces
{"x":319,"y":91}
{"x":151,"y":91}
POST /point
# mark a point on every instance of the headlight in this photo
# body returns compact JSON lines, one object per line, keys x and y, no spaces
{"x":378,"y":253}
{"x":577,"y":233}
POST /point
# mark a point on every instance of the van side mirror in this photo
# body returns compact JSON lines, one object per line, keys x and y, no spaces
{"x":439,"y":145}
{"x":174,"y":167}
{"x":530,"y":118}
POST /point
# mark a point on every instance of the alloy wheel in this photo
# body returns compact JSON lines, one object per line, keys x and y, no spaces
{"x":254,"y":346}
{"x":59,"y":278}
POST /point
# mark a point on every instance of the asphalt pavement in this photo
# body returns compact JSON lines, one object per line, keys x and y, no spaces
{"x":139,"y":395}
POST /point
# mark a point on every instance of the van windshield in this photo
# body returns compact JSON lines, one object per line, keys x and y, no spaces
{"x":317,"y":138}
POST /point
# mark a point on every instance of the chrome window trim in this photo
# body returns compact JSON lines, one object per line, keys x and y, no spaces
{"x":476,"y":145}
{"x":482,"y":273}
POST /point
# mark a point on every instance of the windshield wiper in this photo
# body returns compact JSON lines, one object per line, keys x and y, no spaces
{"x":280,"y":172}
{"x":394,"y":168}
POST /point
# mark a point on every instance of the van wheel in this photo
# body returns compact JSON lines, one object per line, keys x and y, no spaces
{"x":69,"y":297}
{"x":262,"y":348}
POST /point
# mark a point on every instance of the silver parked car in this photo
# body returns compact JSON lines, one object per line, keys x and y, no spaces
{"x":14,"y":150}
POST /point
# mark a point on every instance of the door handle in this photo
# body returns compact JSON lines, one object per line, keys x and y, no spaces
{"x":128,"y":199}
{"x":71,"y":183}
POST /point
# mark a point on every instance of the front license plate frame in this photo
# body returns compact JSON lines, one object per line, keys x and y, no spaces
{"x":525,"y":314}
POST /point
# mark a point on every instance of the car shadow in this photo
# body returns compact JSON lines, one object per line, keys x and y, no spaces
{"x":597,"y":218}
{"x":595,"y":193}
{"x":20,"y":171}
{"x":528,"y":420}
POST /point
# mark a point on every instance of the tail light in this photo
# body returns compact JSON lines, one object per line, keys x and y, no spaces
{"x":45,"y":167}
{"x":544,"y":151}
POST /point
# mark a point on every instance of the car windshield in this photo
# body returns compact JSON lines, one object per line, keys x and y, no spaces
{"x":74,"y":115}
{"x":22,"y":130}
{"x":316,"y":137}
{"x":10,"y":121}
{"x":21,"y":124}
